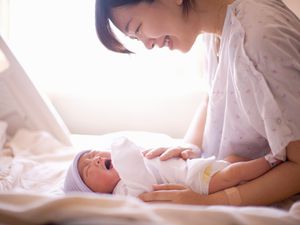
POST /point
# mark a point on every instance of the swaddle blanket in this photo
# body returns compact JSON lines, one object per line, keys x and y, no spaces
{"x":138,"y":173}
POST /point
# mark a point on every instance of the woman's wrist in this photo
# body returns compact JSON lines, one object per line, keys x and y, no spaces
{"x":218,"y":198}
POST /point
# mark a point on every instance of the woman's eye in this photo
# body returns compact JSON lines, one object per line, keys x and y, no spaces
{"x":134,"y":38}
{"x":138,"y":30}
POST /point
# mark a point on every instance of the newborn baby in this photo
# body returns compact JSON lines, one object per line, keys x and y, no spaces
{"x":125,"y":171}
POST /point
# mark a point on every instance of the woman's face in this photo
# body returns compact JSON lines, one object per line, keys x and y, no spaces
{"x":160,"y":23}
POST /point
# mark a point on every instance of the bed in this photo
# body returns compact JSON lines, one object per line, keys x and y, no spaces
{"x":36,"y":148}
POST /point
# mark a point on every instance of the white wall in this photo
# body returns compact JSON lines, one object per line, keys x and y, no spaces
{"x":168,"y":114}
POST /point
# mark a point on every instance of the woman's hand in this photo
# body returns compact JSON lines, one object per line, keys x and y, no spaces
{"x":174,"y":193}
{"x":166,"y":153}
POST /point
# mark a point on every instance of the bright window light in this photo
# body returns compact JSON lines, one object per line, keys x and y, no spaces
{"x":57,"y":44}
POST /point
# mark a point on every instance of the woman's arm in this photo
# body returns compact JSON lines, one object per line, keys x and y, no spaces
{"x":274,"y":186}
{"x":193,"y":135}
{"x":195,"y":131}
{"x":238,"y":172}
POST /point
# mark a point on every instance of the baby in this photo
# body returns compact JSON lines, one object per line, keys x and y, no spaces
{"x":125,"y":171}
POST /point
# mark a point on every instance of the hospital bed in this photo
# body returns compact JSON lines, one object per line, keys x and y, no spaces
{"x":36,"y":148}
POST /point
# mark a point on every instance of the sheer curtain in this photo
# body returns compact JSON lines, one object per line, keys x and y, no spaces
{"x":55,"y":40}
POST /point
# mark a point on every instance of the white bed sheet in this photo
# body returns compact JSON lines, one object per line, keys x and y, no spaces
{"x":34,"y":161}
{"x":32,"y":170}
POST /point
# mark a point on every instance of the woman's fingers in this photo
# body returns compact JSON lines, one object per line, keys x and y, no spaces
{"x":163,"y":193}
{"x":159,"y":187}
{"x":155,"y":152}
{"x":145,"y":152}
{"x":171,"y":153}
{"x":190,"y":154}
{"x":165,"y":153}
{"x":158,"y":196}
{"x":174,"y":193}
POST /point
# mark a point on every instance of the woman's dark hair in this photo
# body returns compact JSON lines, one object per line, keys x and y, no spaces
{"x":103,"y":15}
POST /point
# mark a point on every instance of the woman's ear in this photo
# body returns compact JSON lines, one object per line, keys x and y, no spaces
{"x":179,"y":2}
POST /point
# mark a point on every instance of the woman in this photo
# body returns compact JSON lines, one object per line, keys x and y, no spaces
{"x":253,"y":69}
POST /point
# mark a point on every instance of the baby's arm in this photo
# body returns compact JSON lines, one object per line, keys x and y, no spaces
{"x":237,"y":173}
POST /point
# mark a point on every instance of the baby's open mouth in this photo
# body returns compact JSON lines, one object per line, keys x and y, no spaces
{"x":108,"y":164}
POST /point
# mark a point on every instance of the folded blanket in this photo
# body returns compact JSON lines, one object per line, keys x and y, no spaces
{"x":97,"y":209}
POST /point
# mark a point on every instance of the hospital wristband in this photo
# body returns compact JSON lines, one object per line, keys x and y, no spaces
{"x":272,"y":160}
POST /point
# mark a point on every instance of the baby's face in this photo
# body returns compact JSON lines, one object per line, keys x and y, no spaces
{"x":97,"y":171}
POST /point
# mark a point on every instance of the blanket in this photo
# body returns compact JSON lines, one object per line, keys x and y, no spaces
{"x":102,"y":209}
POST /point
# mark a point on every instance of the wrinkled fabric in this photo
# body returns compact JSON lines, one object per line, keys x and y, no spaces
{"x":254,"y":98}
{"x":73,"y":181}
{"x":138,"y":174}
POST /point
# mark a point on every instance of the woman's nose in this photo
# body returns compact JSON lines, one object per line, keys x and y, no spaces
{"x":149,"y":43}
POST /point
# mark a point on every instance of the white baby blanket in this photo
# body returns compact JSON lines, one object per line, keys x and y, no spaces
{"x":138,"y":173}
